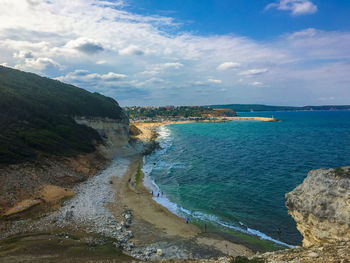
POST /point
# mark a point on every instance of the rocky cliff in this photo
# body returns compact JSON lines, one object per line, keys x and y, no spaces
{"x":115,"y":134}
{"x":52,"y":135}
{"x":321,"y":206}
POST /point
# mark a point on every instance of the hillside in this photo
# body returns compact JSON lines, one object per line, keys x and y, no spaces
{"x":260,"y":107}
{"x":169,"y":112}
{"x":36,"y":116}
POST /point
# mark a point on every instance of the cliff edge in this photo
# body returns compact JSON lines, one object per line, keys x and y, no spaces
{"x":52,"y":136}
{"x":321,"y":206}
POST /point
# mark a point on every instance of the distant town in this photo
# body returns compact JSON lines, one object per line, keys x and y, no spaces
{"x":176,"y":113}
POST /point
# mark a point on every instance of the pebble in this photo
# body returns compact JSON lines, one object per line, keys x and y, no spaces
{"x":313,"y":255}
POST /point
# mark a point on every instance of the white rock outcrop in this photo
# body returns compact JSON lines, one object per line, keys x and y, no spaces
{"x":115,"y":133}
{"x":321,"y":206}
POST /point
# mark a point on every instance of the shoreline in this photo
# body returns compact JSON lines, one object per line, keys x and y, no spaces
{"x":139,"y":224}
{"x":217,"y":119}
{"x":149,"y":133}
{"x":155,"y":227}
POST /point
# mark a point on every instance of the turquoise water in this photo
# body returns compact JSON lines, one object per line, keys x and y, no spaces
{"x":234,"y":175}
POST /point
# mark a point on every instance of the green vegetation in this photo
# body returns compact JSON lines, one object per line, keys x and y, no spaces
{"x":259,"y":107}
{"x":36,"y":116}
{"x":342,"y":172}
{"x":169,"y":112}
{"x":134,"y":131}
{"x":246,"y":260}
{"x":61,"y":247}
{"x":138,"y":176}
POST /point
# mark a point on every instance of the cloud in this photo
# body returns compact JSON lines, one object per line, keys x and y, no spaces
{"x":113,"y":76}
{"x":253,"y":72}
{"x":297,"y":7}
{"x":101,"y":62}
{"x":84,"y":76}
{"x":120,"y":49}
{"x":216,"y":81}
{"x":38,"y":64}
{"x":34,"y":2}
{"x":257,"y":83}
{"x":131,"y":50}
{"x":228,"y":65}
{"x":175,"y":65}
{"x":23,"y":54}
{"x":87,"y":46}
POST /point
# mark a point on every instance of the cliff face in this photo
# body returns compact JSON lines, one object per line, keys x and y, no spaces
{"x":321,"y":206}
{"x":24,"y":181}
{"x":115,"y":133}
{"x":44,"y":143}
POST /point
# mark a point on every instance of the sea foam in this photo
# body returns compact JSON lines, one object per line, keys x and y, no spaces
{"x":165,"y":141}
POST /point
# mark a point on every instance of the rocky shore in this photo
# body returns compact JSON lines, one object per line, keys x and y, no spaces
{"x":114,"y":209}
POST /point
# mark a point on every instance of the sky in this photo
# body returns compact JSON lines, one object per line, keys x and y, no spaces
{"x":185,"y":52}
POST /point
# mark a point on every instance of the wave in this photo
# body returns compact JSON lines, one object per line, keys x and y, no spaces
{"x":165,"y":142}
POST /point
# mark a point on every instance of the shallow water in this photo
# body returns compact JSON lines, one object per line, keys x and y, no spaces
{"x":234,"y":175}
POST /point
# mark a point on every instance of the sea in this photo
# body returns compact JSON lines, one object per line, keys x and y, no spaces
{"x":234,"y":175}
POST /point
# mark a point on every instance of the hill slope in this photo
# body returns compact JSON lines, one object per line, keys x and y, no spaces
{"x":260,"y":107}
{"x":36,"y":116}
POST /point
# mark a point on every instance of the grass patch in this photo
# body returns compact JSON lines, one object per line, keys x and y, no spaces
{"x":341,"y":172}
{"x":138,"y":177}
{"x":246,"y":260}
{"x":60,"y":247}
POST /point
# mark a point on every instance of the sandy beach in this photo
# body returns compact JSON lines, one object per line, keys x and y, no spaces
{"x":115,"y":204}
{"x":154,"y":225}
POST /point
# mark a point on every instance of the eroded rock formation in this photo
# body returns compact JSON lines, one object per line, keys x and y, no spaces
{"x":321,"y":206}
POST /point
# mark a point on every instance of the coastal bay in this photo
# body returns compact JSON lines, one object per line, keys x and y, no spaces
{"x":235,"y":162}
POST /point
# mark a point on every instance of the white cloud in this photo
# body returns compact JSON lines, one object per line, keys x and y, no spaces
{"x":252,"y":72}
{"x":80,"y":75}
{"x":51,"y":37}
{"x":23,"y":54}
{"x":257,"y":83}
{"x":297,"y":7}
{"x":175,"y":65}
{"x":113,"y":76}
{"x":216,"y":81}
{"x":228,"y":65}
{"x":131,"y":50}
{"x":101,"y":62}
{"x":34,"y":2}
{"x":38,"y":64}
{"x":88,"y":46}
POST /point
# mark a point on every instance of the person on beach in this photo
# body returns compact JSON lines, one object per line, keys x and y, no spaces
{"x":187,"y":219}
{"x":152,"y":192}
{"x":158,"y":195}
{"x":279,"y":233}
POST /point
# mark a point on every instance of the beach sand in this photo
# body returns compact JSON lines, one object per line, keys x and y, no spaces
{"x":155,"y":224}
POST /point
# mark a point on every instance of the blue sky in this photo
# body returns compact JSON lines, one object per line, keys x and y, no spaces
{"x":185,"y":52}
{"x":245,"y":17}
